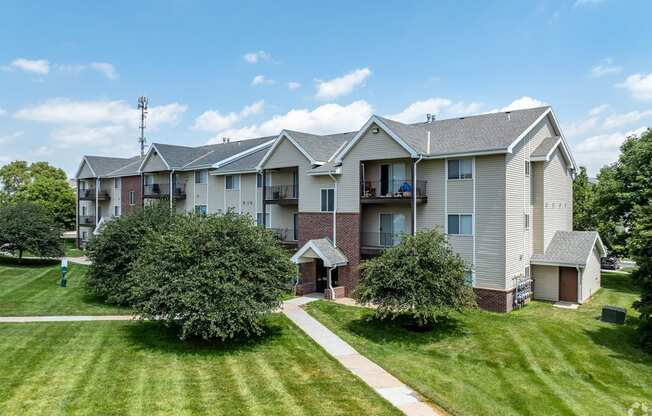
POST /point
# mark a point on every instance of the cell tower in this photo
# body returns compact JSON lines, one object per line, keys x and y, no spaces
{"x":143,"y":103}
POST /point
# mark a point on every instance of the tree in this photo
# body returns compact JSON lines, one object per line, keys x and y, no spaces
{"x":42,"y":184}
{"x":114,"y":251}
{"x":420,"y":278}
{"x":26,"y":226}
{"x":640,"y":246}
{"x":583,"y":202}
{"x":213,"y":276}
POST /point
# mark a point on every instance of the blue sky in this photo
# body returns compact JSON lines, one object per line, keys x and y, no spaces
{"x":71,"y":72}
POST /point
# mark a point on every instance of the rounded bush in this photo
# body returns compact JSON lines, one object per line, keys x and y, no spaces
{"x":212,"y":276}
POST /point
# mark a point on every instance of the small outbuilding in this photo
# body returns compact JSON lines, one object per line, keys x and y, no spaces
{"x":569,"y":270}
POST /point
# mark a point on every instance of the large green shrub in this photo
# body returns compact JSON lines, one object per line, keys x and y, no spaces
{"x":26,"y":226}
{"x":115,"y":249}
{"x":640,"y":246}
{"x":212,"y":276}
{"x":420,"y":278}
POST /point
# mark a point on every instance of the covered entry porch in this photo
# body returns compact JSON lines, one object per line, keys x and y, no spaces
{"x":317,"y":268}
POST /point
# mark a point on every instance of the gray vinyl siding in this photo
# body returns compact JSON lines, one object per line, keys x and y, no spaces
{"x":490,"y":222}
{"x":85,"y":171}
{"x":215,"y":194}
{"x":519,"y":240}
{"x":462,"y":245}
{"x":286,"y":155}
{"x":431,"y":214}
{"x":546,"y":282}
{"x":537,"y":207}
{"x":248,"y":194}
{"x":186,"y":179}
{"x":154,"y":163}
{"x":460,"y":196}
{"x":371,"y":146}
{"x":591,"y":275}
{"x":558,"y":197}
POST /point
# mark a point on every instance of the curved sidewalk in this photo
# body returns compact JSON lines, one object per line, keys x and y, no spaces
{"x":385,"y":384}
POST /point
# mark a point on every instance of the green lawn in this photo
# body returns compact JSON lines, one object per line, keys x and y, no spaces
{"x":71,"y":249}
{"x":539,"y":360}
{"x":141,"y":368}
{"x":34,"y":290}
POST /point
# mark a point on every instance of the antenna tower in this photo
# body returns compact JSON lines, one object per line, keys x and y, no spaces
{"x":143,"y":104}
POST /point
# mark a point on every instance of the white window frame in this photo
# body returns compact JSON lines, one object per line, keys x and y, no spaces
{"x":132,"y":198}
{"x":116,"y":210}
{"x":84,"y":235}
{"x":459,"y":169}
{"x":235,"y":185}
{"x":259,"y":217}
{"x":321,"y":190}
{"x":117,"y":183}
{"x":459,"y":224}
{"x":202,"y":176}
{"x":198,"y":209}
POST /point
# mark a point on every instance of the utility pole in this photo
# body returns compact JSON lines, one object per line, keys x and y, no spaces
{"x":143,"y":104}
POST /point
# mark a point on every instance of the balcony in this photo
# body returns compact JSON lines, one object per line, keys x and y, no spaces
{"x":162,"y":190}
{"x":286,"y":235}
{"x":87,"y":220}
{"x":391,"y":191}
{"x":282,"y":194}
{"x":90,"y":194}
{"x":376,"y":242}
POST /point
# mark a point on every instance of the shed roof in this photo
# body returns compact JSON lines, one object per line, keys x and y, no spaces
{"x":570,"y":248}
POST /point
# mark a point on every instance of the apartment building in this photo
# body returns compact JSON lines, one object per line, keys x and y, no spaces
{"x":498,"y":185}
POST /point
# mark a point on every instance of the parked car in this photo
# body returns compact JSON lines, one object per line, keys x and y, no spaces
{"x":610,"y":263}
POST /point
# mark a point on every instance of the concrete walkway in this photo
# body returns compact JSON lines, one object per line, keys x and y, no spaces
{"x":385,"y":384}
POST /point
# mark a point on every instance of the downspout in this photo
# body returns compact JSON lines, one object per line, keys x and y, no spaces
{"x":330,"y":282}
{"x":77,"y":216}
{"x":330,"y":173}
{"x":97,"y":202}
{"x":579,"y":283}
{"x":171,"y":190}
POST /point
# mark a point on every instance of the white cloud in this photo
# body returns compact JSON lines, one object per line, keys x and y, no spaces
{"x":260,"y":80}
{"x":325,"y":119}
{"x":293,"y":85}
{"x":66,"y":111}
{"x":617,"y":120}
{"x":598,"y":110}
{"x":578,"y":128}
{"x":2,"y":112}
{"x":639,"y":85}
{"x":343,"y":85}
{"x":214,"y":121}
{"x":462,"y":109}
{"x":255,"y":57}
{"x":417,"y":110}
{"x":606,"y":67}
{"x":597,"y":151}
{"x":10,"y":137}
{"x":36,"y":66}
{"x":105,"y":69}
{"x":83,"y":135}
{"x":580,"y":3}
{"x":523,"y":103}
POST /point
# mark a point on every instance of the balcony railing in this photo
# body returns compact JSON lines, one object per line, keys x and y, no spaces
{"x":88,"y":220}
{"x":89,"y":194}
{"x":162,"y":190}
{"x":380,"y":240}
{"x":286,"y":235}
{"x":383,"y":191}
{"x":281,"y":193}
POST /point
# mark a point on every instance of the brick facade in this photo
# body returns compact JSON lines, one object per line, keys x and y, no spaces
{"x":314,"y":225}
{"x":131,"y":183}
{"x":494,"y":300}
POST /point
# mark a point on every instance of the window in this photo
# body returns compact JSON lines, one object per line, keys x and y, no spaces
{"x":149,"y":180}
{"x":259,"y":180}
{"x":201,"y":176}
{"x":527,"y":221}
{"x":232,"y":182}
{"x":132,"y":198}
{"x":82,"y":185}
{"x":527,"y":168}
{"x":117,"y":183}
{"x":83,"y":209}
{"x":84,"y":235}
{"x":460,"y":224}
{"x":468,"y":278}
{"x":116,"y":211}
{"x":460,"y":169}
{"x":327,"y":200}
{"x":259,"y":219}
{"x":201,"y":209}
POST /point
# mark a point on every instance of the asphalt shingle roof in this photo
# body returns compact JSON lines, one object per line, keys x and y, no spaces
{"x":484,"y":132}
{"x":568,"y":248}
{"x":320,"y":147}
{"x":246,"y":163}
{"x":545,"y":147}
{"x":102,"y":166}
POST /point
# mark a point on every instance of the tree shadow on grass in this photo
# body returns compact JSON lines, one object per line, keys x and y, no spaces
{"x":397,"y":330}
{"x":620,"y":282}
{"x":156,"y":336}
{"x":622,"y":341}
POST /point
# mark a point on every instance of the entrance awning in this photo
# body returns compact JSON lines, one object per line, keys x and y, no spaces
{"x":320,"y":249}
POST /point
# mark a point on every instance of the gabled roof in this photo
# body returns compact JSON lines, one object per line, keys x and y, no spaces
{"x":202,"y":157}
{"x":489,"y":133}
{"x":545,"y":149}
{"x":570,"y":248}
{"x":325,"y":169}
{"x":102,"y":166}
{"x":130,"y":169}
{"x":247,"y":163}
{"x":323,"y":249}
{"x":318,"y":149}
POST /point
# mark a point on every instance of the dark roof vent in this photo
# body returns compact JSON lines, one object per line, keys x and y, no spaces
{"x":430,"y":118}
